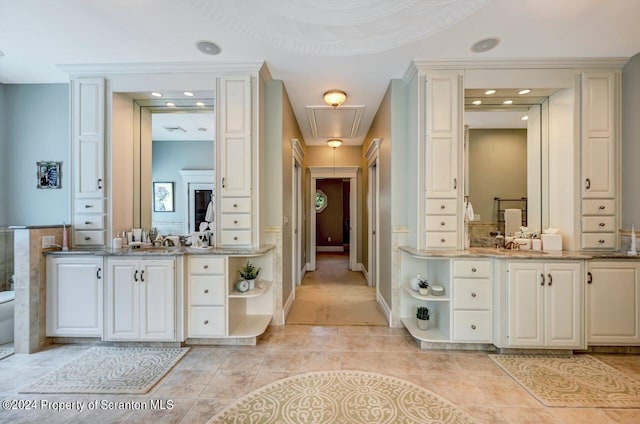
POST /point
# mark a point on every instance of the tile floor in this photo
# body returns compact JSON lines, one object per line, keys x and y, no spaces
{"x":209,"y":378}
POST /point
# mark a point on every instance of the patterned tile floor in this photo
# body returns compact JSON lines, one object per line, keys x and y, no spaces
{"x":209,"y":378}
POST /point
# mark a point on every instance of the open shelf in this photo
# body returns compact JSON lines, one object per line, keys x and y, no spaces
{"x":428,"y":297}
{"x":251,"y":326}
{"x":257,"y":291}
{"x":430,"y":335}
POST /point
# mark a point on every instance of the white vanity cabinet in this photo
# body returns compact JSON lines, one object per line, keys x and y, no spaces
{"x":141,"y":299}
{"x":87,"y":157}
{"x":600,"y":132}
{"x":207,"y":296}
{"x":613,"y":303}
{"x":472,"y":301}
{"x":74,"y":296}
{"x":545,"y":304}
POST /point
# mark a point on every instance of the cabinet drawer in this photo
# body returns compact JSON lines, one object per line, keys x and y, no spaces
{"x":88,"y":238}
{"x":598,"y":240}
{"x":89,"y":206}
{"x":207,"y":321}
{"x":236,"y":205}
{"x":206,"y":290}
{"x":472,"y":326}
{"x":441,"y":207}
{"x":89,"y":221}
{"x":598,"y":207}
{"x":441,"y":240}
{"x":598,"y":224}
{"x":472,"y":269}
{"x":206,"y":265}
{"x":441,"y":222}
{"x":235,"y":237}
{"x":234,"y":221}
{"x":472,"y":293}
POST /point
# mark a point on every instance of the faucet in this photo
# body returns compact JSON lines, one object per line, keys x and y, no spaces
{"x":512,"y":245}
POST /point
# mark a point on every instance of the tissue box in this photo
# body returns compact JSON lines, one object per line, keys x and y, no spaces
{"x":551,"y":241}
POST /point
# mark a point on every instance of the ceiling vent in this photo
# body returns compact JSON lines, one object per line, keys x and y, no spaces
{"x":328,"y":122}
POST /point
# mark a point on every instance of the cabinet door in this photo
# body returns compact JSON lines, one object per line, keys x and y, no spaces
{"x":157,"y":300}
{"x":599,"y":134}
{"x":525,"y":287}
{"x":563,"y":298}
{"x":74,"y":297}
{"x":613,"y":303}
{"x":123,"y":300}
{"x":443,"y":123}
{"x":234,"y":142}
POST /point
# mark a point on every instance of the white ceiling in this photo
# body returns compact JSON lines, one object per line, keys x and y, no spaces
{"x":354,"y":45}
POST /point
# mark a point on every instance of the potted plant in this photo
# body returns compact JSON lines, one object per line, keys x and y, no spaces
{"x":249,"y":273}
{"x":423,"y":287}
{"x":423,"y":316}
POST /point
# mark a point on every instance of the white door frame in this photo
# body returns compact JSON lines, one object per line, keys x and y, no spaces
{"x":190,"y":177}
{"x":326,"y":172}
{"x":296,"y":213}
{"x":373,"y":213}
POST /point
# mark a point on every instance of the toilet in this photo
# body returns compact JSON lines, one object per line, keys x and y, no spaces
{"x":6,"y":316}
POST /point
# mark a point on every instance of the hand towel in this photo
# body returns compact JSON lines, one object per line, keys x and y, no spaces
{"x":468,"y":211}
{"x":209,"y":215}
{"x":512,"y":221}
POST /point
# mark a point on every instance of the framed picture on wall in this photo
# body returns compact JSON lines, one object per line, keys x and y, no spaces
{"x":163,"y":200}
{"x":48,"y":174}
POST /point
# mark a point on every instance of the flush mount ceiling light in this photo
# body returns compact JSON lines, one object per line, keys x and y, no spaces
{"x":334,"y":97}
{"x":156,"y":94}
{"x":334,"y":142}
{"x":188,"y":93}
{"x":524,"y":118}
{"x":490,"y":92}
{"x":170,"y":104}
{"x":507,"y":102}
{"x":524,"y":91}
{"x":476,"y":102}
{"x":200,"y":104}
{"x":208,"y":47}
{"x":485,"y":45}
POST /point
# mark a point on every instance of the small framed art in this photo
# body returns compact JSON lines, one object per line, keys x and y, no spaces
{"x":163,"y":200}
{"x":48,"y":174}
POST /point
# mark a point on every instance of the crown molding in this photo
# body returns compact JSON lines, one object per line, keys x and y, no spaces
{"x":102,"y":69}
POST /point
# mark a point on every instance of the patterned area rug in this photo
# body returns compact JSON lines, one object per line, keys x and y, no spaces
{"x":121,"y":370}
{"x":580,"y":381}
{"x":341,"y":397}
{"x":5,"y":351}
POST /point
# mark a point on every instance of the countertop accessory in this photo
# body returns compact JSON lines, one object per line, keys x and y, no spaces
{"x":632,"y":251}
{"x":415,"y":282}
{"x":437,"y":290}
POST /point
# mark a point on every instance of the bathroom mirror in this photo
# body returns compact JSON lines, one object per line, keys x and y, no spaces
{"x":505,"y":157}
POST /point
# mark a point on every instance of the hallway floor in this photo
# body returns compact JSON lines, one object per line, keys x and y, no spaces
{"x":334,"y":295}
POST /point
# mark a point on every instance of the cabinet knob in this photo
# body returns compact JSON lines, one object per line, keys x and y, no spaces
{"x":235,"y":221}
{"x":442,"y":223}
{"x":235,"y":238}
{"x":441,"y":206}
{"x":87,"y":222}
{"x":601,"y":207}
{"x":206,"y":291}
{"x":442,"y":240}
{"x":206,"y":322}
{"x":601,"y":241}
{"x":473,"y":295}
{"x":235,"y":205}
{"x":473,"y":270}
{"x":206,"y":267}
{"x":88,"y":206}
{"x":473,"y":326}
{"x":87,"y":238}
{"x":602,"y":224}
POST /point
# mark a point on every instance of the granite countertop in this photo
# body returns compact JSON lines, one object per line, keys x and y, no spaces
{"x":492,"y":252}
{"x":163,"y":251}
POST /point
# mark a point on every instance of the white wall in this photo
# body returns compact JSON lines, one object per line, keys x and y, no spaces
{"x":631,"y":143}
{"x":3,"y":155}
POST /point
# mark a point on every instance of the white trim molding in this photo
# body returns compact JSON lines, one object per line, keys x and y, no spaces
{"x":385,"y":308}
{"x":288,"y":305}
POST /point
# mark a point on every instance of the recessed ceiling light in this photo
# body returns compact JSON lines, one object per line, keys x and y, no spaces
{"x":507,"y":102}
{"x":485,"y":45}
{"x":490,"y":92}
{"x":156,"y":94}
{"x":525,"y":118}
{"x":208,"y":47}
{"x":477,"y":102}
{"x":170,"y":104}
{"x":188,"y":93}
{"x":525,"y":91}
{"x":200,"y":104}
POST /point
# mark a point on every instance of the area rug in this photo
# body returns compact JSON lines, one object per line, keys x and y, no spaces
{"x":579,"y":381}
{"x":6,"y":351}
{"x":341,"y":397}
{"x":120,"y":370}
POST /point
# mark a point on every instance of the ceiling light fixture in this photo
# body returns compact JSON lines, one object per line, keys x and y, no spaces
{"x":490,"y":92}
{"x":334,"y":97}
{"x":524,"y":91}
{"x":334,"y":142}
{"x":477,"y":102}
{"x":188,"y":93}
{"x":208,"y":47}
{"x":485,"y":45}
{"x":524,"y":118}
{"x":156,"y":94}
{"x":507,"y":102}
{"x":170,"y":104}
{"x":200,"y":104}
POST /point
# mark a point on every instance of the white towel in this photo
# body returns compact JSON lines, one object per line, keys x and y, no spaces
{"x":209,"y":215}
{"x":512,"y":221}
{"x":468,"y":211}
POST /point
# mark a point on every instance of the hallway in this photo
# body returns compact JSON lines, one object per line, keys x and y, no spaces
{"x":334,"y":295}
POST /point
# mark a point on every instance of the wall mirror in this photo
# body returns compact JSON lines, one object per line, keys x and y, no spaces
{"x":506,"y":159}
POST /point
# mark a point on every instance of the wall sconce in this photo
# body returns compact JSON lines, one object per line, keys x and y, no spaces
{"x":334,"y":142}
{"x":334,"y":97}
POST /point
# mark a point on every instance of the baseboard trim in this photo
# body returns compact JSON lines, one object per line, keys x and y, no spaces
{"x":329,"y":248}
{"x":386,"y":310}
{"x":364,"y":272}
{"x":287,"y":306}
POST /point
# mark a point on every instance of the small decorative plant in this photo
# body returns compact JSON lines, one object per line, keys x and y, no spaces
{"x":423,"y":287}
{"x":422,"y":313}
{"x":248,"y":271}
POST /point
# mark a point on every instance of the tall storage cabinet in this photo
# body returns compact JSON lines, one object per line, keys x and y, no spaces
{"x":600,"y":135}
{"x":87,"y":156}
{"x":441,"y":166}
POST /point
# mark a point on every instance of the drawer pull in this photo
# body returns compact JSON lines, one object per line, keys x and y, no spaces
{"x":473,"y":270}
{"x":455,"y":183}
{"x":88,"y":206}
{"x":87,"y":238}
{"x":550,"y":279}
{"x":441,"y":206}
{"x":442,"y":223}
{"x":601,"y":241}
{"x":135,"y":275}
{"x":87,"y":222}
{"x":206,"y":291}
{"x":206,"y":322}
{"x":473,"y":326}
{"x":589,"y":278}
{"x":473,"y":295}
{"x":142,"y":275}
{"x":442,"y":240}
{"x":601,"y":207}
{"x":235,"y":238}
{"x":206,"y":267}
{"x":588,"y":183}
{"x":602,"y":224}
{"x":99,"y":183}
{"x":543,"y":281}
{"x":98,"y":274}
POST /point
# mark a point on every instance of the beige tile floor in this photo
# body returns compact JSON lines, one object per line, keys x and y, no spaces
{"x":209,"y":378}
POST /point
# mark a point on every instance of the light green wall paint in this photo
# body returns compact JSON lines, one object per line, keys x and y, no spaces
{"x":37,"y":129}
{"x":630,"y":143}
